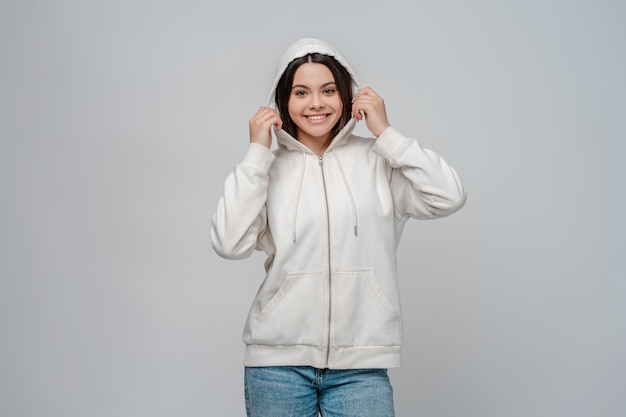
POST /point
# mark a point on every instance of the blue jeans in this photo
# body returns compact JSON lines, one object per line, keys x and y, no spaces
{"x":302,"y":391}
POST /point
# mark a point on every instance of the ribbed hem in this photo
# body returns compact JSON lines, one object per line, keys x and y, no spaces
{"x":359,"y":357}
{"x":391,"y":143}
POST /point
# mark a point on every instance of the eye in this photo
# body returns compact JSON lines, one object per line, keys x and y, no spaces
{"x":300,"y":93}
{"x":329,"y":91}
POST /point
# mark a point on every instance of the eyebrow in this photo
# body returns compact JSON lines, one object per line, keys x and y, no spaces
{"x":304,"y":86}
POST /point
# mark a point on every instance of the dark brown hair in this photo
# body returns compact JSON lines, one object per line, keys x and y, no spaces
{"x":343,"y":81}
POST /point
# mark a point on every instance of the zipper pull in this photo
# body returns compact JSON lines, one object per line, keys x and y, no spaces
{"x":321,"y":157}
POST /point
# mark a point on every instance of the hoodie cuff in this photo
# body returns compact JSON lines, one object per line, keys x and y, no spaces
{"x":391,"y":143}
{"x":259,"y":156}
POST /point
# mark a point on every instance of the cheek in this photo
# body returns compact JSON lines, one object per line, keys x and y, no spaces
{"x":339,"y":107}
{"x":338,"y":103}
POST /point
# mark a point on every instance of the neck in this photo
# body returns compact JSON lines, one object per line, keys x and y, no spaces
{"x":316,"y":144}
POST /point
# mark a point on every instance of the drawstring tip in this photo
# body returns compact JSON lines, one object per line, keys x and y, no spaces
{"x":356,"y":230}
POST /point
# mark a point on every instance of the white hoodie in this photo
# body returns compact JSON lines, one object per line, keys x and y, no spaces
{"x":330,"y":227}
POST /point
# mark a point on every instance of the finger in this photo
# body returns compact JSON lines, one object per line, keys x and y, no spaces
{"x":363,"y":106}
{"x":366,"y":91}
{"x":357,"y":106}
{"x":358,"y":95}
{"x":264,"y":110}
{"x":356,"y":112}
{"x":266,"y":115}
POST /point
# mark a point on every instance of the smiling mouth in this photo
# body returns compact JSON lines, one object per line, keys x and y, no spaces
{"x":316,"y":117}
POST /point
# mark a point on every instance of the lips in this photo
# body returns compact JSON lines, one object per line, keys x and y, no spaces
{"x":316,"y":117}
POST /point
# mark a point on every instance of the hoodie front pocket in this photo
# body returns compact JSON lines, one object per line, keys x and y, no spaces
{"x":363,"y":314}
{"x":297,"y":314}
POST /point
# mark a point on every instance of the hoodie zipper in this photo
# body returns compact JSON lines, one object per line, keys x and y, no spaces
{"x":330,"y":290}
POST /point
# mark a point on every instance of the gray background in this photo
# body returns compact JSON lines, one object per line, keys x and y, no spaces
{"x":119,"y":121}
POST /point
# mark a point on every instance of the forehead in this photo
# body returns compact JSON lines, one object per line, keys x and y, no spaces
{"x":312,"y":73}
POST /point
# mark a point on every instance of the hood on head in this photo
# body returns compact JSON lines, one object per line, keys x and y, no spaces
{"x":301,"y":48}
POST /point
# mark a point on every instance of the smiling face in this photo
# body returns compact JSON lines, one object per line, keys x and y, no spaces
{"x":314,"y":105}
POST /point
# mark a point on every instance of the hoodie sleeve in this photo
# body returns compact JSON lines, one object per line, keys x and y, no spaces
{"x":240,"y":221}
{"x":423,"y":185}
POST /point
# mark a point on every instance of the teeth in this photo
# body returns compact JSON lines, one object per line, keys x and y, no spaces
{"x":317,"y":117}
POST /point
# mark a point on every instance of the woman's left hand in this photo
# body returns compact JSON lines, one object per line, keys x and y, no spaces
{"x":366,"y":103}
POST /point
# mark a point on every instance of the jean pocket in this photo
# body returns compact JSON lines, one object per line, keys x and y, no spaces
{"x":363,"y":314}
{"x":297,"y":314}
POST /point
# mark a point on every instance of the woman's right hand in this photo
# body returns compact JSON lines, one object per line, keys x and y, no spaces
{"x":261,"y":126}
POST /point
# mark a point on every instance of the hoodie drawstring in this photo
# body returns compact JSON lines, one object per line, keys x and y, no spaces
{"x":355,"y":222}
{"x":298,"y":194}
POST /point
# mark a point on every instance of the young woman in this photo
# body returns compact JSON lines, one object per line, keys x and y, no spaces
{"x":328,"y":208}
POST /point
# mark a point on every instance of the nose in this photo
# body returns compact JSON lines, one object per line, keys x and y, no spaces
{"x":316,"y":101}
